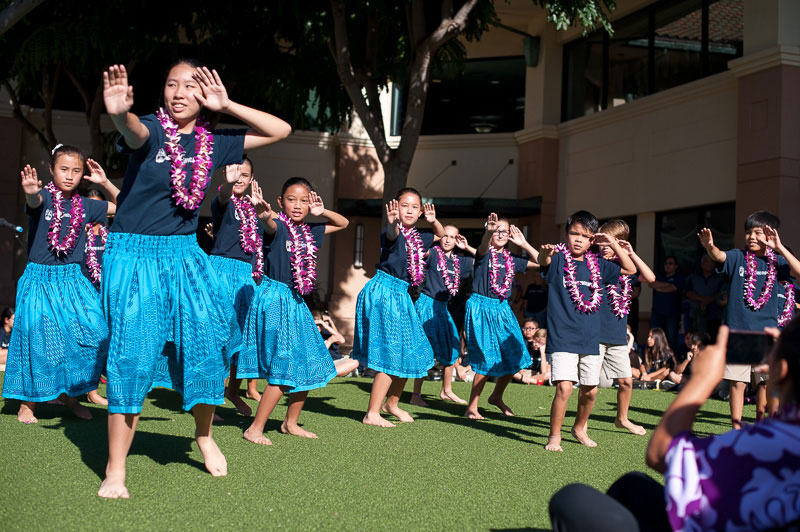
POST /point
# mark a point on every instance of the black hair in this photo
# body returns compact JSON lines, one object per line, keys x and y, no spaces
{"x":65,"y":149}
{"x":94,"y":193}
{"x":701,"y":338}
{"x":761,"y":219}
{"x":292,"y":181}
{"x":7,"y":313}
{"x":586,"y":219}
{"x":787,"y":348}
{"x":528,"y":320}
{"x":246,"y":159}
{"x":192,"y":62}
{"x":408,"y":190}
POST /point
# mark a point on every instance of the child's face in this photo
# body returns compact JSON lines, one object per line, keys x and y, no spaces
{"x":529,"y":330}
{"x":295,"y":202}
{"x":179,"y":93}
{"x":650,"y":340}
{"x":579,"y":238}
{"x":67,"y":172}
{"x":448,"y":241}
{"x":9,"y":322}
{"x":751,"y":239}
{"x":245,"y":178}
{"x":696,"y":348}
{"x":500,"y":235}
{"x":410,"y":208}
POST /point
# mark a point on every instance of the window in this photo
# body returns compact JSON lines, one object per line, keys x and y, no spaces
{"x":667,"y":44}
{"x":358,"y":248}
{"x":676,"y":234}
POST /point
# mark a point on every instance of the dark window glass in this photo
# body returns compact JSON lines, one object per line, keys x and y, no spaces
{"x":583,"y":64}
{"x":627,"y":61}
{"x":676,"y":234}
{"x":678,"y":44}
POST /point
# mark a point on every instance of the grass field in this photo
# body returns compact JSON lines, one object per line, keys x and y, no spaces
{"x":442,"y":472}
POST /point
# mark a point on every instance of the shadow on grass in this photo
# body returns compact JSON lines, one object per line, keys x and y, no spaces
{"x":519,"y":530}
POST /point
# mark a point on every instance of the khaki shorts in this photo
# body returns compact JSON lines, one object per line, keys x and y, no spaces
{"x":616,"y":361}
{"x":743,"y":373}
{"x":583,"y":369}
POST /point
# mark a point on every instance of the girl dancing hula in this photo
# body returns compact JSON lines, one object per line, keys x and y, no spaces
{"x":282,"y":342}
{"x":59,"y":341}
{"x":444,"y":271}
{"x":238,"y":252}
{"x":494,"y":340}
{"x":389,"y":335}
{"x":160,"y":293}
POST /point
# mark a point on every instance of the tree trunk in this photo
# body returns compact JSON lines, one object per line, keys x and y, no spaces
{"x":395,"y":177}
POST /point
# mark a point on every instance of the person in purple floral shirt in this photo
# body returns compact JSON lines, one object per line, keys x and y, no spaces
{"x":742,"y":480}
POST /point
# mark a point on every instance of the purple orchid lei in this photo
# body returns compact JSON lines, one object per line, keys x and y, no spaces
{"x":65,"y":247}
{"x":452,"y":283}
{"x":620,"y":301}
{"x":304,"y":263}
{"x":750,"y":279}
{"x":571,"y":282}
{"x":494,"y":272}
{"x":249,"y":238}
{"x":92,"y":263}
{"x":203,"y":148}
{"x":416,"y":254}
{"x":788,"y":307}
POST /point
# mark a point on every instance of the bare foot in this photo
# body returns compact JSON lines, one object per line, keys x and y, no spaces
{"x":582,"y":437}
{"x":25,"y":414}
{"x":416,"y":399}
{"x":80,"y":411}
{"x":473,"y":414}
{"x":113,"y":487}
{"x":632,"y":427}
{"x":241,"y":407}
{"x":296,"y":430}
{"x":501,"y":405}
{"x":377,"y":420}
{"x":397,"y":412}
{"x":96,"y":398}
{"x":450,"y":396}
{"x":554,"y":444}
{"x":256,"y":437}
{"x":255,"y":396}
{"x":212,"y":457}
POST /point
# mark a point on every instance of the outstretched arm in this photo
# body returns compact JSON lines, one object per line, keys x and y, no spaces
{"x":707,"y":240}
{"x":98,"y":177}
{"x":626,"y":264}
{"x":31,"y":186}
{"x":645,"y":273}
{"x":773,"y":240}
{"x":516,"y":237}
{"x":263,"y":209}
{"x":232,"y":174}
{"x":461,"y":243}
{"x":491,"y":226}
{"x":118,"y":97}
{"x":392,"y":217}
{"x":337,"y":221}
{"x":430,"y":215}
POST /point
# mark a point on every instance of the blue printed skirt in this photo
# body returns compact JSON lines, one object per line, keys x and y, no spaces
{"x":439,"y":328}
{"x":494,"y":340}
{"x":282,"y":342}
{"x":389,"y":336}
{"x":60,"y":338}
{"x":169,"y":320}
{"x":236,"y":278}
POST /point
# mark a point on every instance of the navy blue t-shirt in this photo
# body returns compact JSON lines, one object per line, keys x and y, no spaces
{"x":482,"y":283}
{"x":394,"y":256}
{"x":226,"y":231}
{"x":568,"y":329}
{"x":145,"y":205}
{"x":434,"y":283}
{"x":94,"y":211}
{"x":669,"y":303}
{"x":278,"y":255}
{"x":741,"y":316}
{"x":613,"y":330}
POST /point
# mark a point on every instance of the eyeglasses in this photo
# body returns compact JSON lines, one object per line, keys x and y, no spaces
{"x":530,"y":328}
{"x":501,"y":233}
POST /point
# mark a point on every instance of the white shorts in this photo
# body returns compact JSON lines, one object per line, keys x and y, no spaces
{"x":583,"y":369}
{"x":743,"y":373}
{"x":616,"y":361}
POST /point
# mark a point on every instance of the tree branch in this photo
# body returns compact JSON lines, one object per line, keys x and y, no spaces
{"x":19,"y":115}
{"x":14,"y":12}
{"x":48,"y":95}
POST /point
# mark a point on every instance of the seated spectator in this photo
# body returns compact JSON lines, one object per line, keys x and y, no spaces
{"x":658,"y":357}
{"x":740,"y":480}
{"x":6,"y":325}
{"x":333,"y":339}
{"x":539,"y":371}
{"x":697,"y":342}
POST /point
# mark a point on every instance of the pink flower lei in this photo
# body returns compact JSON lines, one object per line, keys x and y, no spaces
{"x":452,"y":283}
{"x":201,"y":167}
{"x":65,"y":247}
{"x":249,"y":238}
{"x":592,"y":262}
{"x":416,"y":254}
{"x":304,"y":263}
{"x":788,"y":307}
{"x":92,"y":263}
{"x":620,"y":301}
{"x":494,"y":272}
{"x":750,"y":279}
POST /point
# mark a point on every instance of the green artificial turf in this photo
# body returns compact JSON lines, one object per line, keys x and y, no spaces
{"x":442,"y":472}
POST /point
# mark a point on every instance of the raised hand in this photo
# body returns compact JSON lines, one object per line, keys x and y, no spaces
{"x":461,"y":242}
{"x":515,"y":236}
{"x":626,"y":246}
{"x":232,"y":173}
{"x":97,"y":174}
{"x":770,"y":237}
{"x":117,"y":94}
{"x":256,"y":199}
{"x":491,"y":223}
{"x":30,"y":181}
{"x":317,"y":207}
{"x":706,"y":238}
{"x":430,"y":212}
{"x":392,"y":211}
{"x":547,"y":250}
{"x":214,"y":95}
{"x":602,"y":239}
{"x":209,"y":229}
